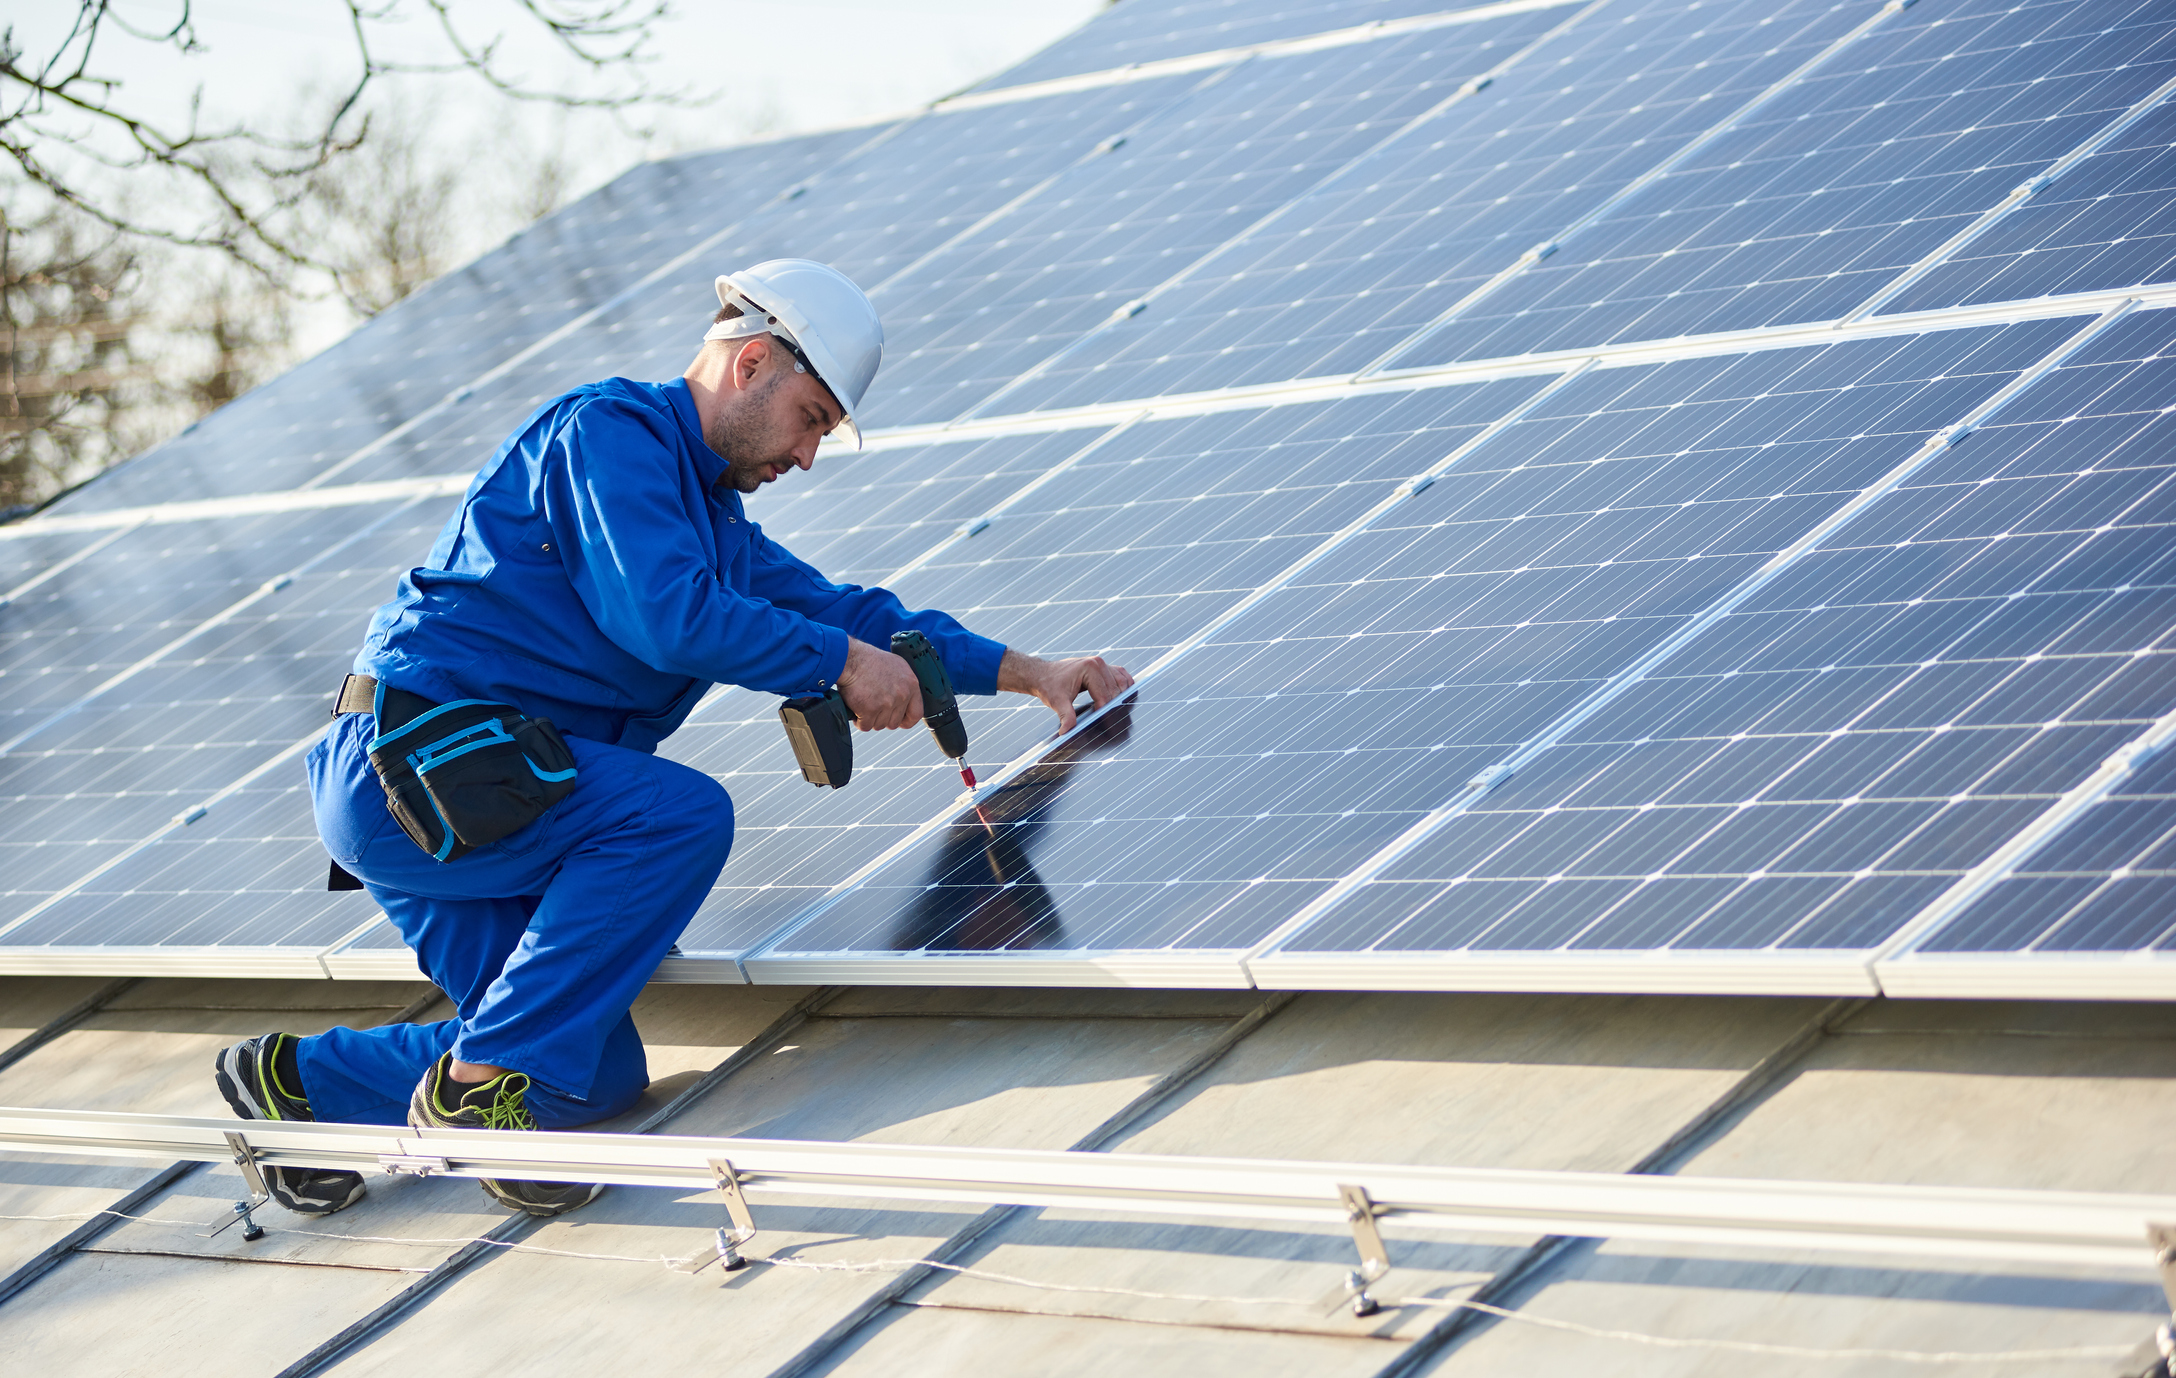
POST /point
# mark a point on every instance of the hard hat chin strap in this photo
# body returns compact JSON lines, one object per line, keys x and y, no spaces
{"x":752,"y":321}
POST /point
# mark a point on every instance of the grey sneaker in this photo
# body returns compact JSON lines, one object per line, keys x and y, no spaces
{"x":440,"y":1102}
{"x":249,"y":1078}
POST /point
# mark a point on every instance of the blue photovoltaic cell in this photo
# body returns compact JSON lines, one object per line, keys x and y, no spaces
{"x":1850,"y":176}
{"x":110,"y":773}
{"x":1819,"y":765}
{"x":1146,"y":540}
{"x":2106,"y":884}
{"x":412,"y":355}
{"x":1199,"y":172}
{"x":1270,"y":761}
{"x":1347,"y":274}
{"x":2104,"y":225}
{"x":1143,"y":31}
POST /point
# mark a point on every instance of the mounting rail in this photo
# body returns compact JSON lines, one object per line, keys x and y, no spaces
{"x":1970,"y":1223}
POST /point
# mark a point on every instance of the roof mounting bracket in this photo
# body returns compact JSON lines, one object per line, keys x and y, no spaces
{"x":2155,"y":1356}
{"x":245,"y":1158}
{"x":725,"y":1249}
{"x":1360,"y":1213}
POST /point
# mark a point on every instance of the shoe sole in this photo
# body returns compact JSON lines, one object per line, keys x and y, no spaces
{"x":541,"y":1210}
{"x":230,"y":1078}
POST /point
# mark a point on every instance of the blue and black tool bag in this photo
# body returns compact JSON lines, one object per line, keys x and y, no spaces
{"x":465,"y":774}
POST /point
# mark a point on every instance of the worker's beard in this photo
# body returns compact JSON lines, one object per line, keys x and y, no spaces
{"x":747,"y":438}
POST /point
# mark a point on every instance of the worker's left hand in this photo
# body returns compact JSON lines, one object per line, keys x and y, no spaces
{"x":1059,"y":682}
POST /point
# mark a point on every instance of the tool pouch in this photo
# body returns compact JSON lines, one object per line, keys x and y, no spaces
{"x":468,"y":773}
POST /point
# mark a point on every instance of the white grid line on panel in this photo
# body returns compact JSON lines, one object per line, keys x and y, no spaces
{"x":1371,"y":32}
{"x":1298,"y":392}
{"x":59,"y":567}
{"x":1185,"y":274}
{"x":2024,"y":192}
{"x":2012,"y":855}
{"x":241,"y":505}
{"x":1630,"y":355}
{"x":1486,"y":780}
{"x":998,"y":778}
{"x":1637,"y":185}
{"x":1620,"y":973}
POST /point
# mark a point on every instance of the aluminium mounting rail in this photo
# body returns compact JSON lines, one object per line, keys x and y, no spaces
{"x":2093,"y":1229}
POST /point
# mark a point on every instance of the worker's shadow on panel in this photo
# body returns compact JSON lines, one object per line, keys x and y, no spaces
{"x":981,"y":892}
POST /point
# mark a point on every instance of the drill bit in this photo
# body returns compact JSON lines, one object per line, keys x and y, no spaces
{"x":967,"y":773}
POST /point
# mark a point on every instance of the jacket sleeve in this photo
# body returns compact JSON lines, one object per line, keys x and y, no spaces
{"x":872,"y":615}
{"x":617,"y":506}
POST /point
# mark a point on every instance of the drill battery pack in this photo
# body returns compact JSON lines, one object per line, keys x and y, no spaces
{"x":821,"y":728}
{"x":821,"y":731}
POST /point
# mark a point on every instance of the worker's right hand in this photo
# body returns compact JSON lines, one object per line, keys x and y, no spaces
{"x":880,"y":687}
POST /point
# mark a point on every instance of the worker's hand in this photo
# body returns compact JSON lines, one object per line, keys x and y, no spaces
{"x":880,"y":687}
{"x":1059,"y":682}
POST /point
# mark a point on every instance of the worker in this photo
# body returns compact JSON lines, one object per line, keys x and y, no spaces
{"x":490,"y":776}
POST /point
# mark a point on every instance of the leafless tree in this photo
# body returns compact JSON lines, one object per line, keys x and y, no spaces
{"x":65,"y":362}
{"x":93,"y":187}
{"x":228,"y":187}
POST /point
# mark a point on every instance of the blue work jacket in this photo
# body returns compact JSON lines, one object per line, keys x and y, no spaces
{"x":600,"y":575}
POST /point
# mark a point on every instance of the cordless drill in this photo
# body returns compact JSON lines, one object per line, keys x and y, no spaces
{"x":821,"y":729}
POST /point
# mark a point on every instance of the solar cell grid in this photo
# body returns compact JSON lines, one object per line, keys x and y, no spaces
{"x":1847,"y":178}
{"x":1282,"y":753}
{"x":99,"y":781}
{"x":2107,"y":885}
{"x":1001,"y":299}
{"x":1140,"y":543}
{"x":2104,"y":224}
{"x":410,"y":356}
{"x":1349,"y":273}
{"x":1826,"y":760}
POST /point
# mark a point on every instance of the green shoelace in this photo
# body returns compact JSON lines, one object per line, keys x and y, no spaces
{"x":506,"y":1110}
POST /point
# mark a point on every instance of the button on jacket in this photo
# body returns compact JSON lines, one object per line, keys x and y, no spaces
{"x":599,"y":574}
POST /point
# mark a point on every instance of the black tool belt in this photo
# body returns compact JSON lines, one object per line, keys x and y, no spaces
{"x":460,"y":775}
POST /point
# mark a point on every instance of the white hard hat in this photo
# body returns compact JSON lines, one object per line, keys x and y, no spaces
{"x":821,"y":315}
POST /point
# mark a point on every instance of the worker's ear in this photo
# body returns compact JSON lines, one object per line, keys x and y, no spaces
{"x":749,"y":360}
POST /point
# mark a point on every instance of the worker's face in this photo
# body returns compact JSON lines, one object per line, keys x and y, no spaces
{"x":772,"y":421}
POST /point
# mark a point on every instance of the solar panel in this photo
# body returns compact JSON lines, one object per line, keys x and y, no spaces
{"x":1816,"y":200}
{"x":1347,"y":274}
{"x":1795,"y":658}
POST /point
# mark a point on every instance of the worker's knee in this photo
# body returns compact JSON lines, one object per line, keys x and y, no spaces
{"x":696,"y":806}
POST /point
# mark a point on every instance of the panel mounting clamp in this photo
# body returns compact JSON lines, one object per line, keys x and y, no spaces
{"x":725,"y":1248}
{"x":245,"y":1158}
{"x":1360,"y":1213}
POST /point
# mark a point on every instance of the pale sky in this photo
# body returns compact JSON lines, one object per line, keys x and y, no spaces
{"x":775,"y":66}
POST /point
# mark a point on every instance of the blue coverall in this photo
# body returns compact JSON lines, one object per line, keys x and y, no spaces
{"x":599,"y":573}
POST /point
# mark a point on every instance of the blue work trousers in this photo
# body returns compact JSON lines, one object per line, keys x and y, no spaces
{"x":541,"y":940}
